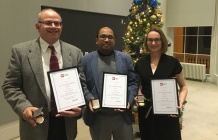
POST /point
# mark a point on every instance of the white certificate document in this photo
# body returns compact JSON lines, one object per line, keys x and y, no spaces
{"x":114,"y":93}
{"x":165,"y":96}
{"x":67,"y":89}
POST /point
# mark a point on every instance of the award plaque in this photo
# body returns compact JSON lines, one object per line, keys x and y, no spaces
{"x":67,"y":89}
{"x":114,"y":94}
{"x":165,"y":96}
{"x":39,"y":118}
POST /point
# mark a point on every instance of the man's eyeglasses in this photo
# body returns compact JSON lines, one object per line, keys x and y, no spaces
{"x":103,"y":37}
{"x":156,"y":40}
{"x":49,"y":23}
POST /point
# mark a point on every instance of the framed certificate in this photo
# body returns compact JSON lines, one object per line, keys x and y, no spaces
{"x":165,"y":96}
{"x":67,"y":89}
{"x":114,"y":91}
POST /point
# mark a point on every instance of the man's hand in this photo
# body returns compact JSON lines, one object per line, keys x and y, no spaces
{"x":90,"y":105}
{"x":28,"y":115}
{"x":74,"y":112}
{"x":120,"y":110}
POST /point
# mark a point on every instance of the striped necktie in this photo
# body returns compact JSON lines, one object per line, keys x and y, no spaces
{"x":54,"y":65}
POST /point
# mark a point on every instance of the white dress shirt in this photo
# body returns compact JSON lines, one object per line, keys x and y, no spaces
{"x":46,"y":53}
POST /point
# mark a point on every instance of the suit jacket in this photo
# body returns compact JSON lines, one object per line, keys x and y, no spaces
{"x":123,"y":66}
{"x":24,"y":86}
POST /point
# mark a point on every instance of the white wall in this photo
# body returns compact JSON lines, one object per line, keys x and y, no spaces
{"x":188,"y":13}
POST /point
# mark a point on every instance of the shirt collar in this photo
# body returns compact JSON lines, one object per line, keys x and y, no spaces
{"x":44,"y":45}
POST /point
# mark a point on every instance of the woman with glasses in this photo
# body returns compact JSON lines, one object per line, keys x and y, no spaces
{"x":157,"y":65}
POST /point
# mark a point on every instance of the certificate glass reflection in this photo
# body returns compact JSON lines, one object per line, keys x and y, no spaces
{"x":114,"y":91}
{"x":165,"y":96}
{"x":67,"y":89}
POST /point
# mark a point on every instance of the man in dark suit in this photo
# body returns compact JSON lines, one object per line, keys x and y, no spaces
{"x":108,"y":122}
{"x":26,"y":87}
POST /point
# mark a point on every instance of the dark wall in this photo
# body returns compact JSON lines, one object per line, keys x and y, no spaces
{"x":80,"y":28}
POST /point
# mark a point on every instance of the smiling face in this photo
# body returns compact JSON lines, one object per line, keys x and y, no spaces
{"x":154,"y":42}
{"x":48,"y":27}
{"x":105,"y":40}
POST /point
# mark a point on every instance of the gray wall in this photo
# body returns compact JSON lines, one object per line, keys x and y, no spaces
{"x":17,"y":25}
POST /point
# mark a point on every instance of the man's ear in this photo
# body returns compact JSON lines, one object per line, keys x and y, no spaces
{"x":37,"y":26}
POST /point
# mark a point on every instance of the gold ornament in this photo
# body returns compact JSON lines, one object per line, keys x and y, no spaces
{"x":153,"y":18}
{"x":144,"y":19}
{"x":158,"y":10}
{"x":132,"y":38}
{"x":136,"y":7}
{"x":161,"y":21}
{"x":130,"y":30}
{"x":137,"y":17}
{"x":148,"y":25}
{"x":133,"y":12}
{"x":129,"y":27}
{"x":159,"y":15}
{"x":140,"y":22}
{"x":142,"y":14}
{"x":146,"y":30}
{"x":127,"y":34}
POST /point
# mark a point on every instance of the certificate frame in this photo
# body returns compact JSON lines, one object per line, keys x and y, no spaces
{"x":66,"y":87}
{"x":114,"y":90}
{"x":165,"y":96}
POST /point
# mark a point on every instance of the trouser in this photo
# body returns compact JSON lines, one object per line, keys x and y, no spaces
{"x":108,"y":125}
{"x":57,"y":130}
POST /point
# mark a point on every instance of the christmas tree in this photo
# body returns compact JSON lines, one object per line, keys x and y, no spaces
{"x":144,"y":14}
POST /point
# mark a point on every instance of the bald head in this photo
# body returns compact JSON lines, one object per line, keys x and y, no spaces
{"x":49,"y":10}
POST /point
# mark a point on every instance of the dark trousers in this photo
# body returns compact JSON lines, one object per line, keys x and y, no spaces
{"x":57,"y":129}
{"x":158,"y":127}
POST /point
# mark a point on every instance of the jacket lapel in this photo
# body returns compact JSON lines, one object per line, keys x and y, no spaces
{"x":119,"y":63}
{"x":66,"y":55}
{"x":35,"y":60}
{"x":94,"y":65}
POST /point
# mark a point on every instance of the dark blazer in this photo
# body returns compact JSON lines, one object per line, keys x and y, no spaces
{"x":24,"y":86}
{"x":123,"y":66}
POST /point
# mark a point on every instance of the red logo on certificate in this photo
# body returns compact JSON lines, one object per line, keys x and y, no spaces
{"x":62,"y":75}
